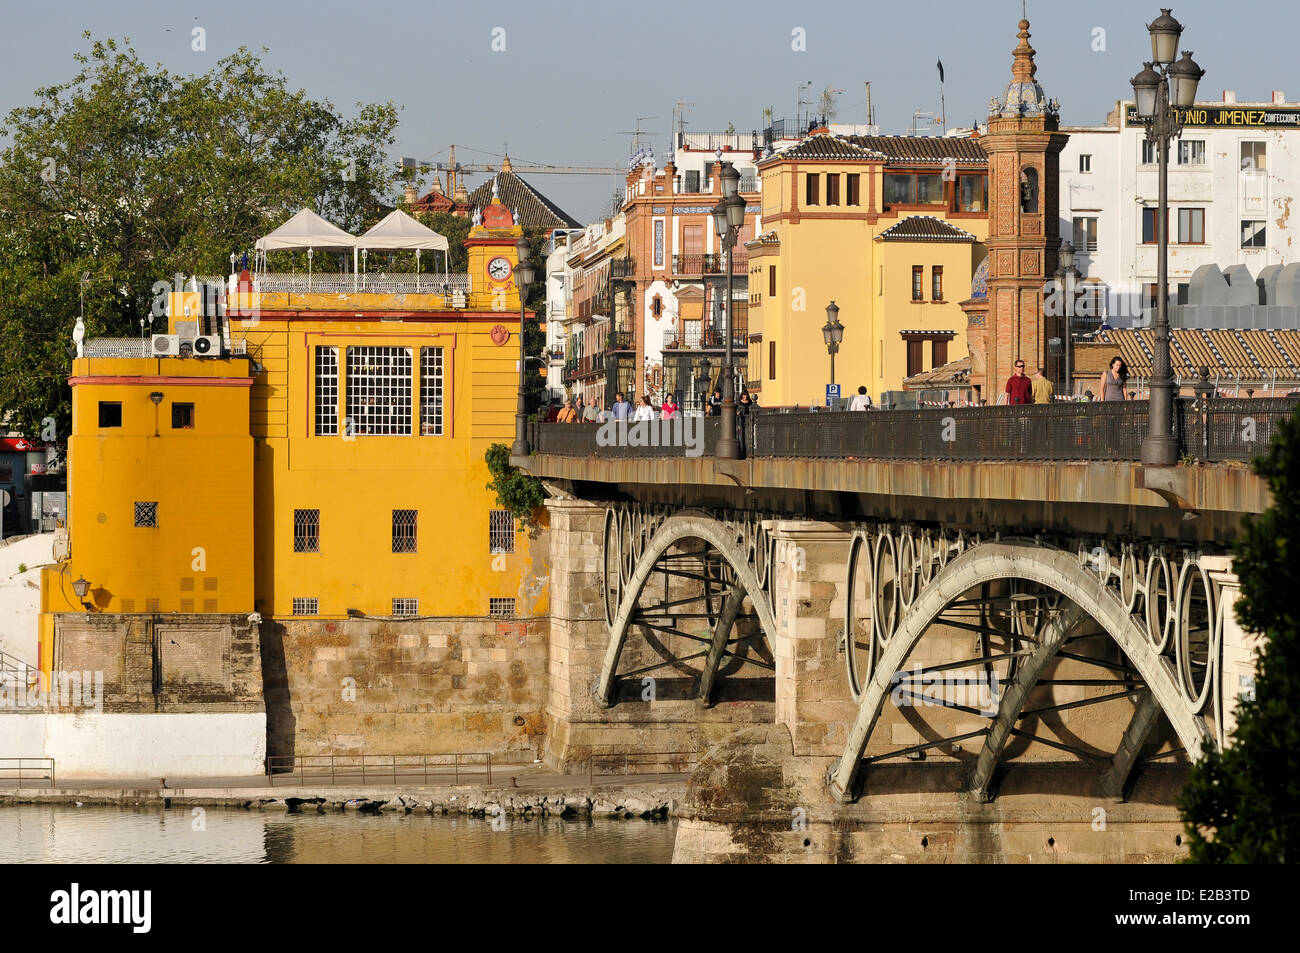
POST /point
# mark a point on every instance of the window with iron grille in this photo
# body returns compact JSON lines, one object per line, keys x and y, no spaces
{"x":327,"y":391}
{"x":431,"y":391}
{"x":918,"y":282}
{"x":936,"y":283}
{"x":501,"y":531}
{"x":379,"y":389}
{"x":306,"y":531}
{"x":146,"y":514}
{"x":406,"y":607}
{"x":404,"y":531}
{"x":305,"y":606}
{"x":501,"y":607}
{"x":110,"y":413}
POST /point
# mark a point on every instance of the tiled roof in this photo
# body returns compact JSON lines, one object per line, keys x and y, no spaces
{"x":1251,"y":354}
{"x":535,"y":209}
{"x":827,"y":146}
{"x":924,"y":228}
{"x":952,"y":374}
{"x":924,"y":150}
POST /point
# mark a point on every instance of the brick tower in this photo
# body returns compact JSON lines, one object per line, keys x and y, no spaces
{"x":1024,"y":146}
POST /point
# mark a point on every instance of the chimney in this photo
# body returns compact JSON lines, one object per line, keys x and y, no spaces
{"x":1279,"y":97}
{"x":1229,"y":95}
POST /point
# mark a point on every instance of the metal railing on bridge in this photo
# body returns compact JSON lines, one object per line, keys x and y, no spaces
{"x":1218,"y":429}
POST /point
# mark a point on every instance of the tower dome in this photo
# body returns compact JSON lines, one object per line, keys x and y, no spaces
{"x":1023,"y":96}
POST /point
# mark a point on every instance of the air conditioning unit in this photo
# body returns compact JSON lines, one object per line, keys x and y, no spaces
{"x":207,"y":345}
{"x":165,"y":344}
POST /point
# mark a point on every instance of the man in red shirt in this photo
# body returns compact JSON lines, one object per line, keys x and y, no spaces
{"x":1020,"y":390}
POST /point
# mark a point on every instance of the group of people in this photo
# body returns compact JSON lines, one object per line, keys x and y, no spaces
{"x":1037,"y":389}
{"x":577,"y":411}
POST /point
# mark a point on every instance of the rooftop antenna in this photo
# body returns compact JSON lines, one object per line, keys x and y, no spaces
{"x":871,"y":112}
{"x":636,"y":134}
{"x":679,"y":111}
{"x":799,"y":115}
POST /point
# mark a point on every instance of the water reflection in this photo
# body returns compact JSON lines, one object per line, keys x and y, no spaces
{"x":37,"y":833}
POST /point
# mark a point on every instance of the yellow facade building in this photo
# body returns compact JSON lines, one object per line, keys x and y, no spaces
{"x":332,"y":466}
{"x":891,"y":229}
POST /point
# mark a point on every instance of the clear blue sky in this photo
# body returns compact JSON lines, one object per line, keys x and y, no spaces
{"x":576,"y":73}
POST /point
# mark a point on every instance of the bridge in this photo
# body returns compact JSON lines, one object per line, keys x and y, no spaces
{"x":954,"y":606}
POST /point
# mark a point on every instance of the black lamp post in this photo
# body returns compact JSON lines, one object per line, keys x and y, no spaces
{"x":833,"y":334}
{"x":706,"y":368}
{"x":1069,"y":276}
{"x":524,"y":274}
{"x":728,"y":217}
{"x":1161,"y":89}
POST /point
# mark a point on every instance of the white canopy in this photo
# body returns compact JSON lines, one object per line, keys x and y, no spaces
{"x":306,"y":230}
{"x":399,"y":230}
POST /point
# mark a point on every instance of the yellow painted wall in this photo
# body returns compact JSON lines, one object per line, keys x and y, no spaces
{"x":821,"y":259}
{"x":356,"y":482}
{"x":896,"y":312}
{"x":198,"y":557}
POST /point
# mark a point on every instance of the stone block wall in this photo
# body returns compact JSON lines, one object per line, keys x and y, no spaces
{"x":812,"y":691}
{"x":174,"y":662}
{"x":398,"y":686}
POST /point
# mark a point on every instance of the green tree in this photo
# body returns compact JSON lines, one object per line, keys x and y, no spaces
{"x":129,"y":174}
{"x":517,"y":492}
{"x":1242,"y":805}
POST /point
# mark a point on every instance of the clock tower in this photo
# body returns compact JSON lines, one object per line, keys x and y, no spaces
{"x":492,"y":257}
{"x":1023,"y":146}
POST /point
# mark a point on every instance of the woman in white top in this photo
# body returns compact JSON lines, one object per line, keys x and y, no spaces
{"x":644,"y":410}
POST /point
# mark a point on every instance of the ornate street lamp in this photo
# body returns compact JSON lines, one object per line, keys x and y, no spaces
{"x":832,"y":334}
{"x":525,"y":272}
{"x":1157,"y":106}
{"x":728,"y":217}
{"x":1068,"y":276}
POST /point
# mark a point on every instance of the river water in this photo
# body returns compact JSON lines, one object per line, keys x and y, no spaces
{"x":40,"y":833}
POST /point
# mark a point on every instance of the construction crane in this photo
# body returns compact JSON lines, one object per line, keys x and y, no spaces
{"x":463,"y":167}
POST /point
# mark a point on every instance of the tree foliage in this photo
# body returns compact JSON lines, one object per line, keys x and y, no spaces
{"x":1243,"y":805}
{"x":129,"y":174}
{"x":517,"y":492}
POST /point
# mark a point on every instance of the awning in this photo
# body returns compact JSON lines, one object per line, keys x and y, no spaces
{"x":306,"y":230}
{"x":399,"y":230}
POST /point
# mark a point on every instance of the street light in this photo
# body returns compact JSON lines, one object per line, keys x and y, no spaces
{"x":524,"y":274}
{"x":1157,"y":107}
{"x":1068,"y":276}
{"x":832,"y":334}
{"x":81,"y":587}
{"x":728,"y":217}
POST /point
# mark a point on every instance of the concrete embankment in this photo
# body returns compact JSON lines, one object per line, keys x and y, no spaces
{"x":650,"y":800}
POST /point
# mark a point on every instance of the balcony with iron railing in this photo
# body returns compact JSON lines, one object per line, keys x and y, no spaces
{"x":364,"y":283}
{"x":707,"y":339}
{"x":622,"y":268}
{"x":711,"y":264}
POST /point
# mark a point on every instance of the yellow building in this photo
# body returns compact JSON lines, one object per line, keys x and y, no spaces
{"x":332,"y":465}
{"x":891,"y":229}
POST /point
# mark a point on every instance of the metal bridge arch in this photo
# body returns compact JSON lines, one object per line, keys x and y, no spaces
{"x":736,"y":542}
{"x":1062,"y":572}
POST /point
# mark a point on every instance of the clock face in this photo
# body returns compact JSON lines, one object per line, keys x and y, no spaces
{"x":499,"y":269}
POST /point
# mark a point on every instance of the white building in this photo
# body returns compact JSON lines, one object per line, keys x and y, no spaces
{"x":1232,"y":181}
